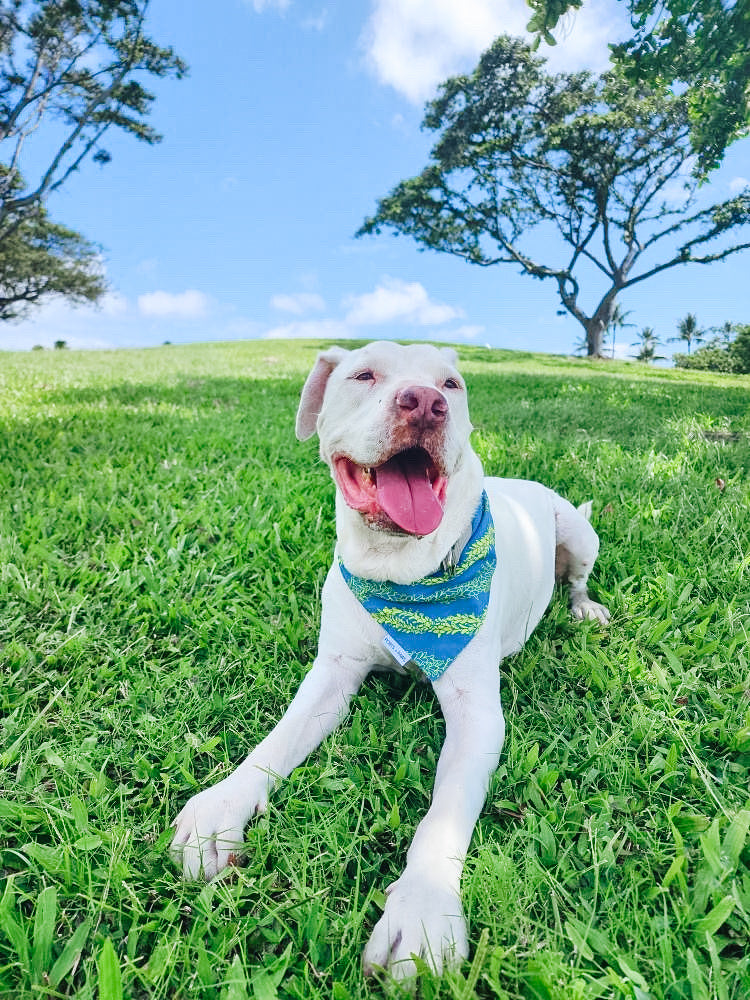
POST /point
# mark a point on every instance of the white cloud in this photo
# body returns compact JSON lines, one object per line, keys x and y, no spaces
{"x":118,"y":322}
{"x":738,"y":184}
{"x":413,"y":45}
{"x":114,"y":304}
{"x":320,"y":329}
{"x":395,"y":300}
{"x":584,"y":37}
{"x":79,"y":326}
{"x":299,"y":302}
{"x":190,"y":304}
{"x":402,"y":308}
{"x":675,"y":194}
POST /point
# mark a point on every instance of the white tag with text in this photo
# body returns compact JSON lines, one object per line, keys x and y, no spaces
{"x":398,"y":653}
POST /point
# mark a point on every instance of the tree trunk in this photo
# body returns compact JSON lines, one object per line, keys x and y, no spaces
{"x":597,"y":325}
{"x":595,"y":328}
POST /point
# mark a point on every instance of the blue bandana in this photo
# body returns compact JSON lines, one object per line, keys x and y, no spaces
{"x":431,"y":621}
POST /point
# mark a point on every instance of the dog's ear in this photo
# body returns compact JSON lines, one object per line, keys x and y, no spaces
{"x":311,"y":401}
{"x":450,"y":355}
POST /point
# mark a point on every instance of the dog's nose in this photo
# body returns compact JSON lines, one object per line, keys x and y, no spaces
{"x":422,"y":405}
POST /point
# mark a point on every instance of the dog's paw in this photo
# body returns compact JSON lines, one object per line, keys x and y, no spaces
{"x":586,"y":609}
{"x":209,"y":831}
{"x":420,"y":919}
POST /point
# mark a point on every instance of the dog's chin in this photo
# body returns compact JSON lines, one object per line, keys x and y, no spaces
{"x":404,"y":495}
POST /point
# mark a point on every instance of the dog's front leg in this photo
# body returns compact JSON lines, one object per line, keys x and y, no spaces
{"x":209,"y":829}
{"x":423,"y":914}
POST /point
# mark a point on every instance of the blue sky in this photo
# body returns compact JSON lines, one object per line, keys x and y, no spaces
{"x":295,"y":117}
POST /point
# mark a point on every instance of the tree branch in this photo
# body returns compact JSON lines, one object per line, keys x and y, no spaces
{"x":708,"y":259}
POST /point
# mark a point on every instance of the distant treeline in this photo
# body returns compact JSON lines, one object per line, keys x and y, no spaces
{"x":726,"y":351}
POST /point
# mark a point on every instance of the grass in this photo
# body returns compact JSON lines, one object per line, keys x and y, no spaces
{"x":163,"y":541}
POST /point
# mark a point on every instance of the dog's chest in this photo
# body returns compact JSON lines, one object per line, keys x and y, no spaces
{"x":428,"y":623}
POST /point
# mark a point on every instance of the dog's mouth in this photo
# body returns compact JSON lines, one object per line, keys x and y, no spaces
{"x":409,"y":489}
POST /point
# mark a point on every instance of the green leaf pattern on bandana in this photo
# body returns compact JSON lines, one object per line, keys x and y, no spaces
{"x":436,"y":617}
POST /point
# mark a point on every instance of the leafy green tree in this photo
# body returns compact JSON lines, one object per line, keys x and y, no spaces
{"x":689,"y":332}
{"x":647,"y":344}
{"x":739,"y":349}
{"x":701,"y":44}
{"x":591,"y":161}
{"x":71,"y":68}
{"x":69,"y":71}
{"x":727,"y":351}
{"x":712,"y":356}
{"x":40,"y":259}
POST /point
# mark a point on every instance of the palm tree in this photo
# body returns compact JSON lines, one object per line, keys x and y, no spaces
{"x":724,"y":334}
{"x":617,"y":322}
{"x":689,"y":331}
{"x":647,"y":343}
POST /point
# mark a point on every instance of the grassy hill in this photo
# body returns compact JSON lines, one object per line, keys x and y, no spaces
{"x":163,"y":541}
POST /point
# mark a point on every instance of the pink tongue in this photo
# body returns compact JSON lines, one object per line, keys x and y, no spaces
{"x":405,"y":494}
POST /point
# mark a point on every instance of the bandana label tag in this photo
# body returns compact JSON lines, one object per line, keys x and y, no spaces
{"x":398,"y":653}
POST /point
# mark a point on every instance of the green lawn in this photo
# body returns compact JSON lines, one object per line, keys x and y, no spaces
{"x":163,"y":541}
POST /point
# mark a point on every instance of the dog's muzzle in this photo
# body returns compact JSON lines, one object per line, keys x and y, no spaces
{"x":406,"y":492}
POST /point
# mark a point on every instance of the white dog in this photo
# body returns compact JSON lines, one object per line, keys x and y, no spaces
{"x":437,"y":570}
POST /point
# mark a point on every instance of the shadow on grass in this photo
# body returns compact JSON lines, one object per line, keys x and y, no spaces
{"x":527,"y":425}
{"x":589,"y":395}
{"x":184,"y":391}
{"x":647,"y":443}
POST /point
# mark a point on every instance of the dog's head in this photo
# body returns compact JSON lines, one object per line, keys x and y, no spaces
{"x":394,"y":428}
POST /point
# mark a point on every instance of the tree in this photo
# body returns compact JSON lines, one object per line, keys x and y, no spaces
{"x":595,"y":159}
{"x":617,"y":322}
{"x":727,"y":351}
{"x":69,"y":68}
{"x":689,"y":331}
{"x":739,"y":349}
{"x":647,"y":344}
{"x":701,"y":44}
{"x":40,"y":259}
{"x":725,"y":333}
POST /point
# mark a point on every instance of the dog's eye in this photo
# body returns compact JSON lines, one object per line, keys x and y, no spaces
{"x":451,"y":383}
{"x":365,"y":376}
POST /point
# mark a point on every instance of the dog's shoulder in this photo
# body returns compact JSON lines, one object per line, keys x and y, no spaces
{"x":523,"y":512}
{"x":526,"y":494}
